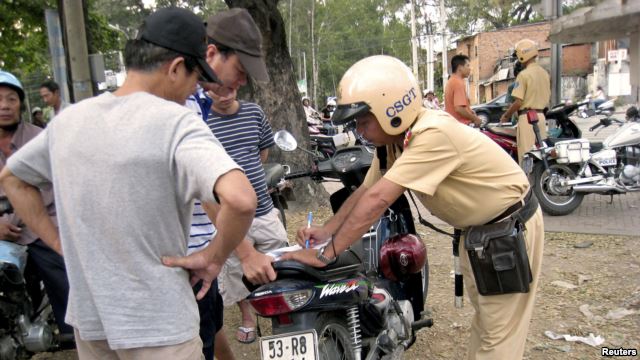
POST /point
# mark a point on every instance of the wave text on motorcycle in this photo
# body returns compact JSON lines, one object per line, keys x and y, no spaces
{"x":401,"y":104}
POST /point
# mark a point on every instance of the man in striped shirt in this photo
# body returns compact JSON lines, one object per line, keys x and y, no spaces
{"x":246,"y":135}
{"x":234,"y":51}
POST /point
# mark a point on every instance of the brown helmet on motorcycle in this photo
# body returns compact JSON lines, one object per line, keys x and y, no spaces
{"x":402,"y":255}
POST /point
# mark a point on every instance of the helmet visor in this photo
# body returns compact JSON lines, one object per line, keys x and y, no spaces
{"x":347,"y":112}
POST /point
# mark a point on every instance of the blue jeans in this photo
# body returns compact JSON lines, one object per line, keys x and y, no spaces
{"x":597,"y":102}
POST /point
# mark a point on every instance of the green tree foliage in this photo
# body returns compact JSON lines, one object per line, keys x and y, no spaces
{"x":127,"y":15}
{"x":23,"y":35}
{"x":469,"y":16}
{"x":345,"y":32}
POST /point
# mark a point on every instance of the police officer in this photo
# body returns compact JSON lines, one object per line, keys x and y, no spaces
{"x":445,"y":164}
{"x":532,"y":91}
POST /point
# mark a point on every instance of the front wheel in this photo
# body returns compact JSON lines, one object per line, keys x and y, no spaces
{"x":555,"y":199}
{"x":334,"y":342}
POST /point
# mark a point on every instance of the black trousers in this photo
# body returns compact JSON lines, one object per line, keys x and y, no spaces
{"x":211,"y":317}
{"x":50,"y":268}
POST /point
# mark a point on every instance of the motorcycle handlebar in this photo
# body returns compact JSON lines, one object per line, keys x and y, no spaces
{"x":298,"y":175}
{"x":595,"y":126}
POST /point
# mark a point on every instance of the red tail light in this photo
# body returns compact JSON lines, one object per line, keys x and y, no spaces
{"x":272,"y":305}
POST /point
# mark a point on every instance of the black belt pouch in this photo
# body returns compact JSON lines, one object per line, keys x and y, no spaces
{"x":498,"y":256}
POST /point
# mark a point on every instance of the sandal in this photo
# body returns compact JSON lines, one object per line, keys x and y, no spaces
{"x":246,"y":335}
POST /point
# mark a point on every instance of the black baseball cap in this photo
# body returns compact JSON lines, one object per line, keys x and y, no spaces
{"x":179,"y":30}
{"x":236,"y":30}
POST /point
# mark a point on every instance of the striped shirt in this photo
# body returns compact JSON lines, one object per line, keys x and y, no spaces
{"x":202,"y":231}
{"x":243,"y":135}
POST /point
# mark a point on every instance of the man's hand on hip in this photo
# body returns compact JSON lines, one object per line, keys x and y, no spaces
{"x":199,"y":267}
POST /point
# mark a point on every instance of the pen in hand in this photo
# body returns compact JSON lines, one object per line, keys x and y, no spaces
{"x":309,"y":221}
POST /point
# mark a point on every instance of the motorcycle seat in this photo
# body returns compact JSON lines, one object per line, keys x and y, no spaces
{"x":553,"y":140}
{"x":348,"y":264}
{"x":273,"y":172}
{"x":503,"y":130}
{"x":595,"y":146}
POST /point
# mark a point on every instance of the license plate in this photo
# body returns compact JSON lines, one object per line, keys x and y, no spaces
{"x":301,"y":345}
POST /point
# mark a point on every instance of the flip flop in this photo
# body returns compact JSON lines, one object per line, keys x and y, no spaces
{"x":246,"y":335}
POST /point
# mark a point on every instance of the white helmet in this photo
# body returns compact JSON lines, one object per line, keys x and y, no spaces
{"x":384,"y":86}
{"x":526,"y":49}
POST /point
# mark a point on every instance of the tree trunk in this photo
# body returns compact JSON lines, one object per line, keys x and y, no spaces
{"x":280,"y":97}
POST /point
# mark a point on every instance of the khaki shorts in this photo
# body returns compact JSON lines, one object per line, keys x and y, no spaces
{"x":266,"y":234}
{"x":100,"y":350}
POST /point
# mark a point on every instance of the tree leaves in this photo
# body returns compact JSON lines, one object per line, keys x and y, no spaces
{"x":345,"y":32}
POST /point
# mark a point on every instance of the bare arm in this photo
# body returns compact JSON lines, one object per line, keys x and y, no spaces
{"x":237,"y":208}
{"x":467,"y":113}
{"x":255,"y":265}
{"x":321,"y":234}
{"x":369,"y":207}
{"x":264,"y":154}
{"x":515,"y":106}
{"x":27,"y":203}
{"x":211,"y":209}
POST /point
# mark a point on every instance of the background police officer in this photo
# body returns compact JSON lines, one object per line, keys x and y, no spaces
{"x":532,"y":91}
{"x":445,"y":163}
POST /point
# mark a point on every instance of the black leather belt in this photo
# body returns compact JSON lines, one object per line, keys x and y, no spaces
{"x":523,"y":210}
{"x":522,"y":112}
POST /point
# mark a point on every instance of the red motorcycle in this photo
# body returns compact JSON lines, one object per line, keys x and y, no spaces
{"x":505,"y":136}
{"x":559,"y":127}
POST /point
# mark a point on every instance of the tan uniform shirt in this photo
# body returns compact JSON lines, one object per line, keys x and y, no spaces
{"x":533,"y":87}
{"x":460,"y":175}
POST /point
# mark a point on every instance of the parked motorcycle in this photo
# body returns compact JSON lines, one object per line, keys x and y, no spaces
{"x":27,"y":325}
{"x":565,"y":171}
{"x":278,"y":187}
{"x":607,"y":108}
{"x":560,"y":126}
{"x":326,"y":146}
{"x":349,"y":309}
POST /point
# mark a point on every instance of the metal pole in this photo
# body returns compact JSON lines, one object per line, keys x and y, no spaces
{"x":430,"y":82}
{"x":290,"y":22}
{"x":304,"y":66}
{"x":78,"y":52}
{"x":56,"y":49}
{"x":556,"y":60}
{"x":443,"y":26}
{"x":414,"y":40}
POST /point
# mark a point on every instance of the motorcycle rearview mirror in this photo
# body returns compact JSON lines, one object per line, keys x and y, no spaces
{"x":285,"y":141}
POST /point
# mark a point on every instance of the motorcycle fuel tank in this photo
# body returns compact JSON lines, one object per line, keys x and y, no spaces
{"x":627,"y":135}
